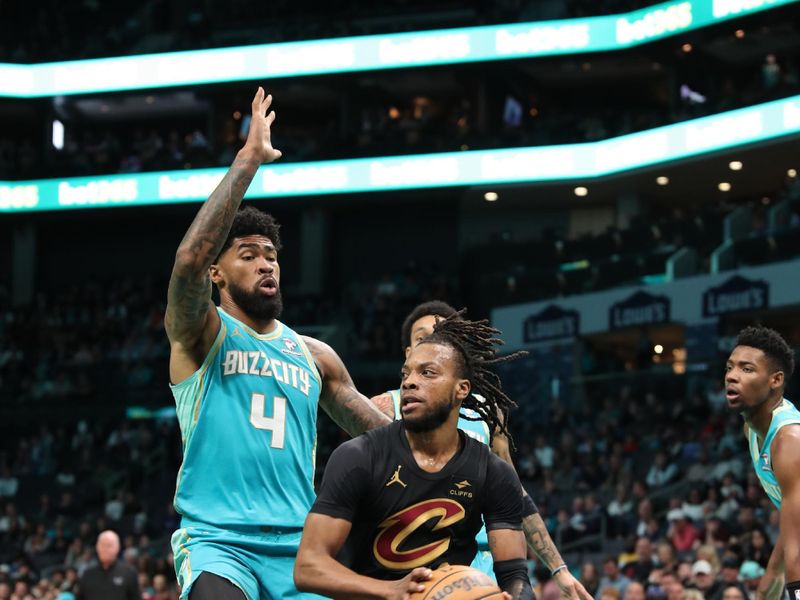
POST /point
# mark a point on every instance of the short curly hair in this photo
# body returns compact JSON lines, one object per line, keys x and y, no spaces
{"x":771,"y":343}
{"x":251,"y":221}
{"x":435,"y":308}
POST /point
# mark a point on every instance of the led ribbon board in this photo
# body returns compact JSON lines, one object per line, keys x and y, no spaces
{"x":537,"y":164}
{"x":375,"y":52}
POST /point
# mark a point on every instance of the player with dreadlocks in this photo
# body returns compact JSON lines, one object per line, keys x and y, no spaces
{"x":410,"y":496}
{"x":417,"y":326}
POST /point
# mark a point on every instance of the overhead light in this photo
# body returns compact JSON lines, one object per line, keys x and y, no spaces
{"x":724,"y":186}
{"x":662,"y":180}
{"x":739,"y":33}
{"x":490,"y":196}
{"x":534,"y":112}
{"x":686,"y":48}
{"x":394,"y":113}
{"x":237,"y":115}
{"x":735,"y":165}
{"x":581,"y":191}
{"x":150,"y":99}
{"x":658,"y":348}
{"x":792,"y":173}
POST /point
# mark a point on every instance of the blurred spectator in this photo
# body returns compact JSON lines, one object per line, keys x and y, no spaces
{"x":111,"y":579}
{"x":703,"y":576}
{"x":662,"y":472}
{"x":8,"y":483}
{"x":751,"y":574}
{"x":590,"y":578}
{"x":612,"y":578}
{"x":683,"y":535}
{"x":634,"y":591}
{"x":728,"y":577}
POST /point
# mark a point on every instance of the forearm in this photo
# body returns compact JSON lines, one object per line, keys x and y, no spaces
{"x":790,"y":559}
{"x":512,"y":577}
{"x":209,"y":230}
{"x":771,"y":586}
{"x":350,"y":409}
{"x":322,"y":574}
{"x":538,"y":540}
{"x":520,"y":590}
{"x":354,"y":413}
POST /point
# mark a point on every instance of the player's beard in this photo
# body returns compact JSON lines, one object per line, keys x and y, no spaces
{"x":254,"y":304}
{"x":429,"y":422}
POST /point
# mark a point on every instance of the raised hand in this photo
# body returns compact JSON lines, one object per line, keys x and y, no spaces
{"x":259,"y":137}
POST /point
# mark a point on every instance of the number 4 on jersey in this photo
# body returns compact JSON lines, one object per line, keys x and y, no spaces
{"x":276,"y":423}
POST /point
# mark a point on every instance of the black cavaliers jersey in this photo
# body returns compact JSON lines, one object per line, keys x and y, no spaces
{"x":403,"y":517}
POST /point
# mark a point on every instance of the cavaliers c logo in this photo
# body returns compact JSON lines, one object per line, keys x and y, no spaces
{"x":397,"y":528}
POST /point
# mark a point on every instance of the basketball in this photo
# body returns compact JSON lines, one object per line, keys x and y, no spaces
{"x":457,"y":582}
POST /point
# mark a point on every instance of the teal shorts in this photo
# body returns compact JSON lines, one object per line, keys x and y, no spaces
{"x":258,"y":562}
{"x":483,"y":562}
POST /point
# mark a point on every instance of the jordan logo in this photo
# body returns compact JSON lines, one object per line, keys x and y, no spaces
{"x":236,"y":332}
{"x":462,"y":484}
{"x":396,"y":477}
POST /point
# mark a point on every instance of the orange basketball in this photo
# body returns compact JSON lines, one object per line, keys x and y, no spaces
{"x":456,"y":582}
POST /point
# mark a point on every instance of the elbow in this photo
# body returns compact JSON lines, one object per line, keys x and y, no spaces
{"x":188,"y":260}
{"x":302,"y":573}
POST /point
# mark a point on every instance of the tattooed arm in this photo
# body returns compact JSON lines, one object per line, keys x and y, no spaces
{"x":538,"y":538}
{"x":352,"y":411}
{"x":191,"y":320}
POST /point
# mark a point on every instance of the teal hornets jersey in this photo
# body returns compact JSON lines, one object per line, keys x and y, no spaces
{"x":784,"y":414}
{"x":477,"y":430}
{"x":248,"y":419}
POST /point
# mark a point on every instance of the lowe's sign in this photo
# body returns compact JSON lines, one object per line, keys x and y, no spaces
{"x":692,"y":301}
{"x":735,"y":295}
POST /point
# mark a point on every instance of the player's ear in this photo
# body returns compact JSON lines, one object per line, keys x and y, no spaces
{"x":776,"y":380}
{"x":408,"y":351}
{"x":215,"y":274}
{"x":463,"y":388}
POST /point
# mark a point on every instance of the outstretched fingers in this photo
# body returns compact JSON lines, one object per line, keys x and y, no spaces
{"x":265,"y":104}
{"x":258,"y":100}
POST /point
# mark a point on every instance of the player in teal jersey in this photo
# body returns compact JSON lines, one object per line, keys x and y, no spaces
{"x":418,"y":325}
{"x":755,"y":378}
{"x":246,"y":389}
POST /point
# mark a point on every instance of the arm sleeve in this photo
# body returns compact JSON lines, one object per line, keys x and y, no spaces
{"x":503,"y":506}
{"x":512,"y":577}
{"x":346,"y":480}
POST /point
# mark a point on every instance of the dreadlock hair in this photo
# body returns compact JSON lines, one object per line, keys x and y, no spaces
{"x":771,"y":343}
{"x":436,"y":308}
{"x":251,"y":221}
{"x":475,"y":343}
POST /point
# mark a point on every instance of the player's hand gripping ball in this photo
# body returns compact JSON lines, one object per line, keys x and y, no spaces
{"x":456,"y":582}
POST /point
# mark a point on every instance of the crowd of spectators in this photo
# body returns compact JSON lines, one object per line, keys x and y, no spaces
{"x":62,"y":485}
{"x":660,"y":493}
{"x":380,"y":127}
{"x":654,"y":494}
